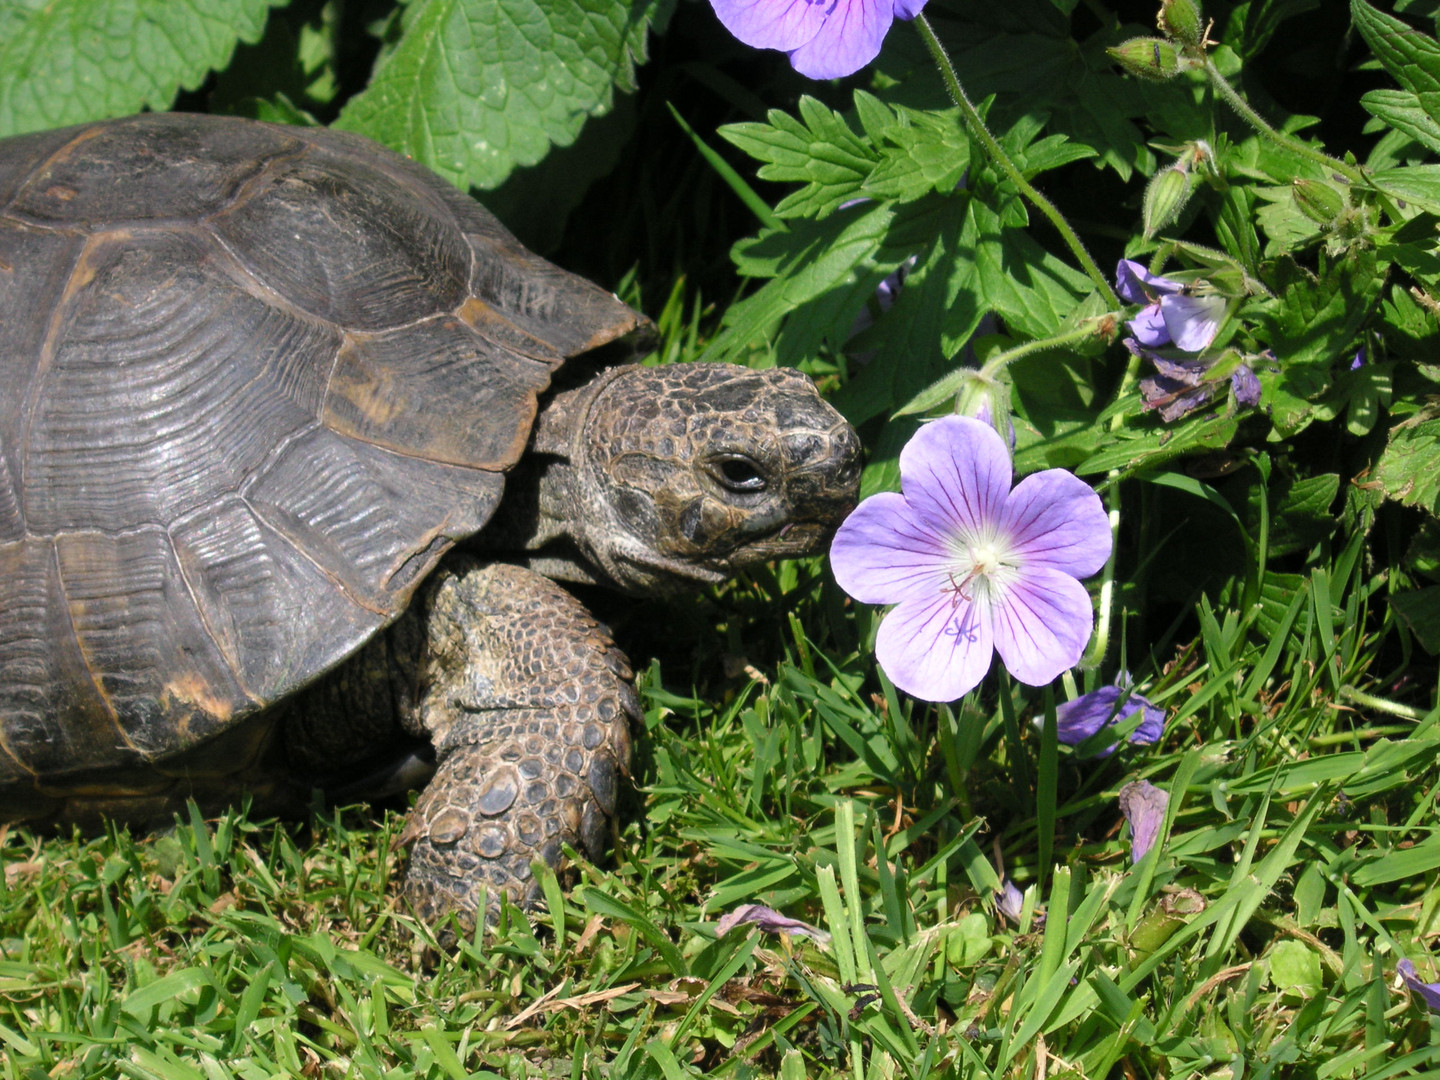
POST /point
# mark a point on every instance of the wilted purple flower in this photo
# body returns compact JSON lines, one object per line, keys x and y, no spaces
{"x":1245,"y":386}
{"x":973,"y":567}
{"x":1079,"y":719}
{"x":769,"y":920}
{"x":824,"y":40}
{"x":1356,"y":365}
{"x":1010,"y":901}
{"x":1143,"y":805}
{"x":1427,"y":992}
{"x":1171,"y":314}
{"x":1178,"y":386}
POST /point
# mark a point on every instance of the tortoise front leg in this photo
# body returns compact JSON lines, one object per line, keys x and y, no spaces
{"x":528,"y":704}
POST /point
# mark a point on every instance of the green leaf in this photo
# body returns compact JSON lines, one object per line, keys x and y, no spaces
{"x":68,"y":61}
{"x":476,"y":87}
{"x":1295,"y":968}
{"x":1406,"y":471}
{"x":1420,"y":611}
{"x":923,"y":157}
{"x":818,"y":150}
{"x":1402,"y":111}
{"x":1311,"y":319}
{"x":1412,"y":58}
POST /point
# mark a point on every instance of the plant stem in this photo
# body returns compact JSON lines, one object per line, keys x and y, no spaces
{"x":1289,"y":142}
{"x":1370,"y":701}
{"x":1100,"y":643}
{"x":1001,"y":360}
{"x":978,"y":131}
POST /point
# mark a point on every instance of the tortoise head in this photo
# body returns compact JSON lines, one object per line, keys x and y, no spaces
{"x":689,"y":473}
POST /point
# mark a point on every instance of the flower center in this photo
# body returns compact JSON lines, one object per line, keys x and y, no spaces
{"x":982,"y":568}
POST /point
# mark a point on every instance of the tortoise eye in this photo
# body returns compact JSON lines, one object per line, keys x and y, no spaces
{"x":739,"y":474}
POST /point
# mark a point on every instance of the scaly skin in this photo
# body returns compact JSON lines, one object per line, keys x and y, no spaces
{"x":528,"y":703}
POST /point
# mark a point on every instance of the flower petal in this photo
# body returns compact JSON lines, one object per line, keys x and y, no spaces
{"x":772,"y":24}
{"x":882,"y":554}
{"x":935,"y":650}
{"x":1041,"y":623}
{"x":1143,"y":805}
{"x":1082,"y":717}
{"x":1149,"y":327}
{"x":848,"y":39}
{"x":1136,"y":285}
{"x":1427,"y":992}
{"x":1055,"y":519}
{"x":1245,"y":386}
{"x":955,"y":472}
{"x":1076,"y":720}
{"x":908,"y":9}
{"x":1192,"y":320}
{"x":769,"y":920}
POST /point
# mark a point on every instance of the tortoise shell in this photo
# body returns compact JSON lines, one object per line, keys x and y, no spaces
{"x":257,"y":381}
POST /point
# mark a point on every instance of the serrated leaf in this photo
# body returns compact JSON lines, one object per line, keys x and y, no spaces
{"x":1402,"y":111}
{"x":924,"y":154}
{"x":818,"y":149}
{"x":1420,"y":611}
{"x":476,"y":87}
{"x":68,"y":61}
{"x":1301,"y":512}
{"x":1411,"y":58}
{"x":1406,"y":470}
{"x":836,"y":261}
{"x":1311,"y":319}
{"x":1143,"y":449}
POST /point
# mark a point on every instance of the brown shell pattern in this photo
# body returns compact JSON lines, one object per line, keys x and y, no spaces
{"x":257,"y":380}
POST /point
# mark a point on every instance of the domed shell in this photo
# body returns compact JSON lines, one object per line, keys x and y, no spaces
{"x":257,"y":380}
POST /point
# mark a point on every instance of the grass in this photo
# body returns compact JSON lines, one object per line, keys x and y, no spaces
{"x":1297,"y":864}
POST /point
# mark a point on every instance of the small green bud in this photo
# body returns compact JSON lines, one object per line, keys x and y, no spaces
{"x":1180,"y":19}
{"x":1159,"y":925}
{"x":1318,"y":201}
{"x":1166,"y":195}
{"x":1150,"y":58}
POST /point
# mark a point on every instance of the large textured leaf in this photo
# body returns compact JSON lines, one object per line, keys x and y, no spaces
{"x":67,"y":61}
{"x":1412,"y":58}
{"x":1406,"y":470}
{"x":476,"y":87}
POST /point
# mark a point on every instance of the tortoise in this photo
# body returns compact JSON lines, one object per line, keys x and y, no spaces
{"x":264,"y":389}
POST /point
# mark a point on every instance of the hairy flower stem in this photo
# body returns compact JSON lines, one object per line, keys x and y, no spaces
{"x":1289,"y":142}
{"x":1001,"y":360}
{"x":978,"y":131}
{"x":1379,"y":704}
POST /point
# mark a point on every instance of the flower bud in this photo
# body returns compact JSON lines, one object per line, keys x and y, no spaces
{"x":1165,"y":196}
{"x":1150,"y":58}
{"x":1318,"y":201}
{"x":1180,"y":19}
{"x":987,"y":399}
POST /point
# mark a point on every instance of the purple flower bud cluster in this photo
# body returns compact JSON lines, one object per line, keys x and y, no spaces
{"x":1178,"y":317}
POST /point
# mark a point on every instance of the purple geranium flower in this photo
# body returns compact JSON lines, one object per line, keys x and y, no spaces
{"x":1143,"y":805}
{"x":825,"y":40}
{"x":1079,"y":719}
{"x":973,"y":567}
{"x":1171,"y":314}
{"x":1427,"y":992}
